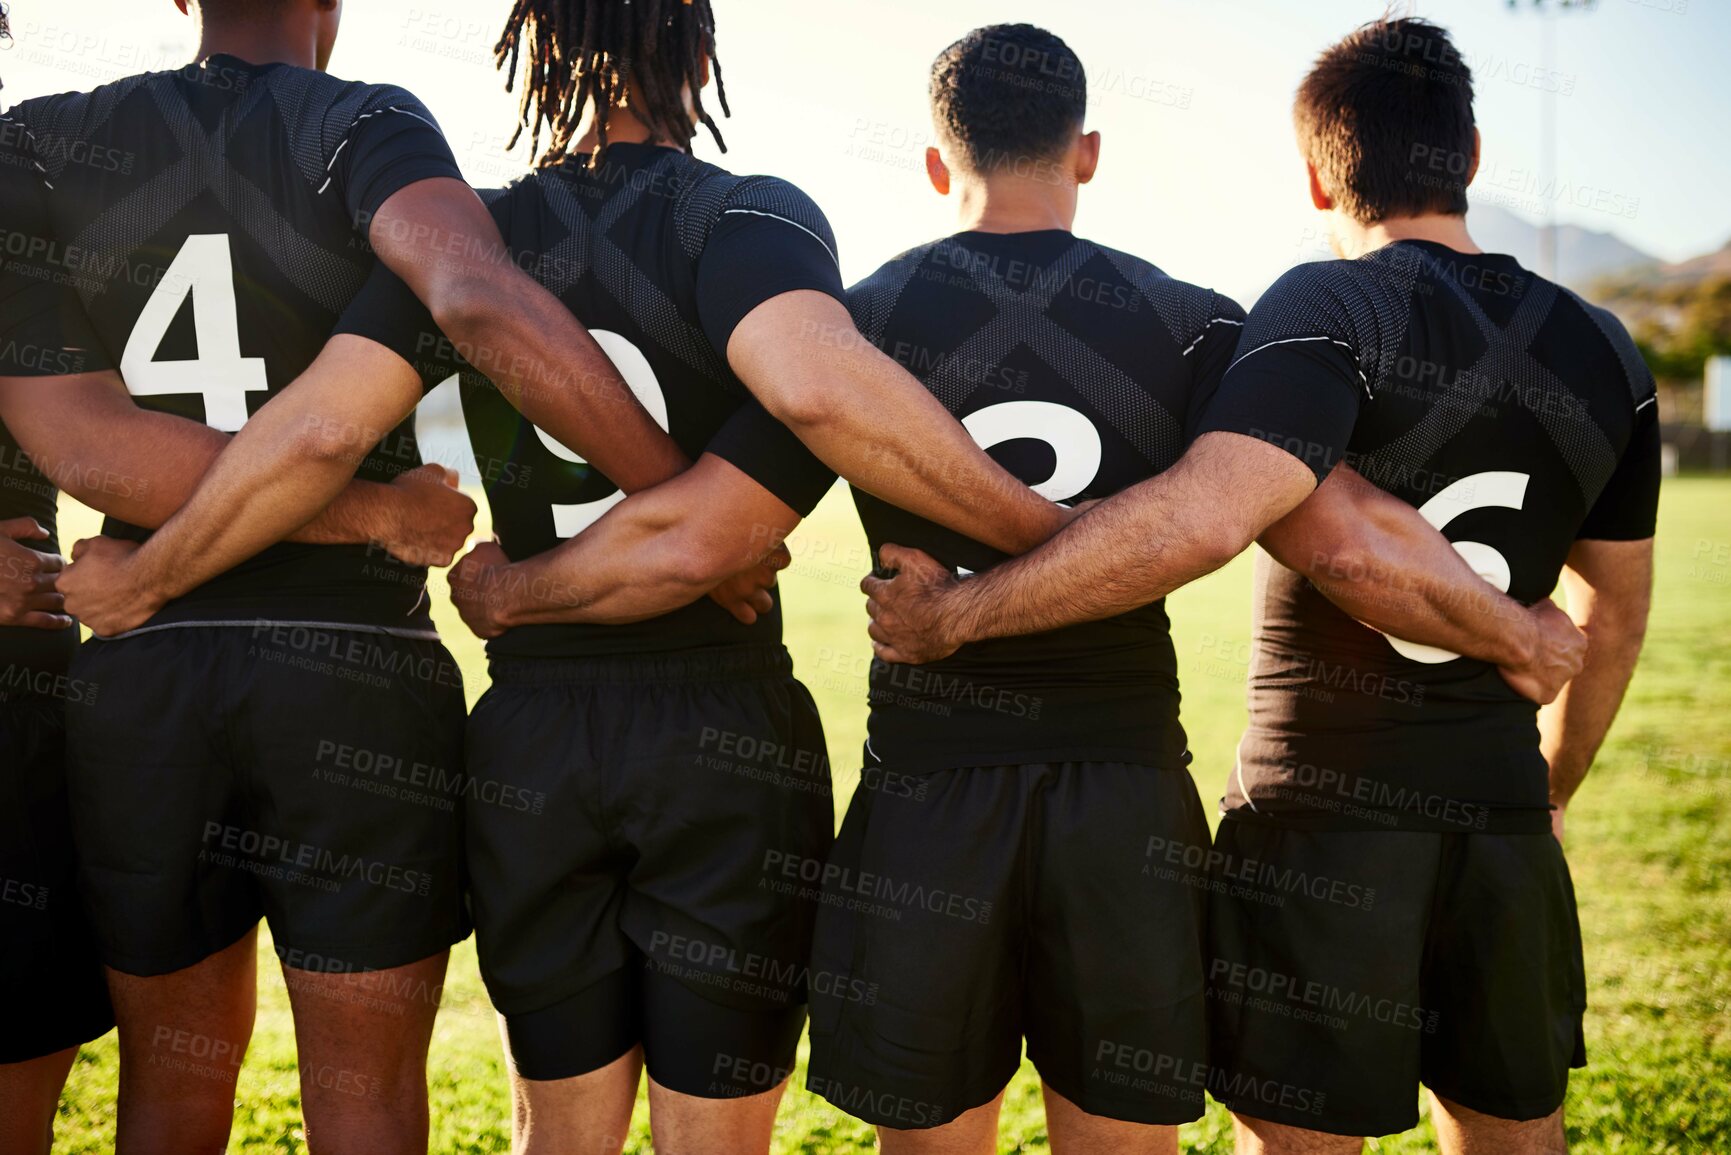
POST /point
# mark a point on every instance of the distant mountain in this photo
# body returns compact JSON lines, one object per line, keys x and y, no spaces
{"x":1583,"y":255}
{"x":1711,"y":266}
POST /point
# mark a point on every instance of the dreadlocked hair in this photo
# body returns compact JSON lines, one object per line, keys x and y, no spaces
{"x":577,"y":52}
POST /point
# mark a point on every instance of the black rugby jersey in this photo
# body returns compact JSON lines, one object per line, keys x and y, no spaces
{"x":42,"y":334}
{"x":1518,"y":419}
{"x":660,"y":255}
{"x":1076,"y":367}
{"x":212,"y":222}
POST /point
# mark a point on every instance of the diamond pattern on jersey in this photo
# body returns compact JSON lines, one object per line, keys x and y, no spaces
{"x":331,"y":279}
{"x":587,"y":249}
{"x":1363,"y":306}
{"x":1507,"y":360}
{"x":1023,"y":318}
{"x":873,"y":301}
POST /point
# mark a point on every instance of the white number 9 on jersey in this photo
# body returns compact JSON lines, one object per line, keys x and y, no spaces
{"x":1479,"y":491}
{"x":570,"y":520}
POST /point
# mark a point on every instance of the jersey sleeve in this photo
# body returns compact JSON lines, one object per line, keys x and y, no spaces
{"x":1296,"y":378}
{"x":387,"y":312}
{"x":769,"y":238}
{"x":1209,"y":352}
{"x":1628,"y":507}
{"x":391,"y":142}
{"x":766,"y":451}
{"x":43,"y":328}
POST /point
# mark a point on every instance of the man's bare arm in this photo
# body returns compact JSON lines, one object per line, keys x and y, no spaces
{"x":440,"y":239}
{"x":1377,"y":558}
{"x":1131,"y":549}
{"x":295,"y":454}
{"x":648,"y":555}
{"x":86,"y":434}
{"x":1609,"y":587}
{"x":869,"y":420}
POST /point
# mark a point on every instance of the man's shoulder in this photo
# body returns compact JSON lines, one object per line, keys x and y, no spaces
{"x":1186,"y":309}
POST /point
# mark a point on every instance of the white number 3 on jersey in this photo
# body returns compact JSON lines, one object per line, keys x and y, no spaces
{"x":1479,"y":491}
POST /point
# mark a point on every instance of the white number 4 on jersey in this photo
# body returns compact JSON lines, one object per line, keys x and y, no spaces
{"x":204,"y":268}
{"x":1479,"y":491}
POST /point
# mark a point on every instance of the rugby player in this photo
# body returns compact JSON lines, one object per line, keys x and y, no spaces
{"x":625,"y":918}
{"x":48,"y":956}
{"x":1521,"y":421}
{"x":202,"y":797}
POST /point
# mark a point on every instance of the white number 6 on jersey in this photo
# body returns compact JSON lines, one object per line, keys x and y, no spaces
{"x":1479,"y":491}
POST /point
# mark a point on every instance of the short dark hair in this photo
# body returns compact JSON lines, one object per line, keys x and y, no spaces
{"x":1386,"y":116}
{"x":1008,"y":91}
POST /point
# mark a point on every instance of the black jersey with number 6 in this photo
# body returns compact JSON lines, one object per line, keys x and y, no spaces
{"x":1075,"y":367}
{"x":660,"y":255}
{"x":1518,"y":419}
{"x":212,"y":222}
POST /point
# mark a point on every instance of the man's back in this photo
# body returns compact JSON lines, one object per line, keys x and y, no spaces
{"x":659,"y":255}
{"x":1075,"y":366}
{"x":212,"y":220}
{"x":1518,"y":419}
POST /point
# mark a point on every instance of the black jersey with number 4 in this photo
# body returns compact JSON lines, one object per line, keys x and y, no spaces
{"x":1075,"y":367}
{"x":660,"y":255}
{"x":212,"y":222}
{"x":1518,"y":419}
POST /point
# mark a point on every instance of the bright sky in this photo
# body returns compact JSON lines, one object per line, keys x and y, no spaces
{"x":1199,"y":172}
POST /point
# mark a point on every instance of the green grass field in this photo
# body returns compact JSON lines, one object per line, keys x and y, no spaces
{"x":1649,"y":844}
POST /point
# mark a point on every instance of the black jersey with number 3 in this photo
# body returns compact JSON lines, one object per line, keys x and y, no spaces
{"x":660,"y":255}
{"x":212,"y":223}
{"x":1518,"y":419}
{"x":1075,"y":367}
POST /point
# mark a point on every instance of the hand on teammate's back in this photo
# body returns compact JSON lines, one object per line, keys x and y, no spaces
{"x":907,"y":622}
{"x":478,"y":589}
{"x":100,"y":588}
{"x":436,"y":521}
{"x":1559,"y":652}
{"x":746,"y":594}
{"x":27,"y":593}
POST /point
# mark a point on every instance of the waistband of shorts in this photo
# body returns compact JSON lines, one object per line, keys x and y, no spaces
{"x":717,"y":664}
{"x":1480,"y":819}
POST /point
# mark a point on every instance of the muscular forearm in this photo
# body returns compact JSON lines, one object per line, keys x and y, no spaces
{"x":900,"y":444}
{"x":141,"y":466}
{"x":1573,"y":727}
{"x":287,"y":463}
{"x":1376,"y":558}
{"x":517,"y":333}
{"x":869,"y":420}
{"x":1137,"y":546}
{"x":651,"y":554}
{"x":562,"y":381}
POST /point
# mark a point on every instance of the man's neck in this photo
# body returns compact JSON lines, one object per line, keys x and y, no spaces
{"x":1356,"y":239}
{"x":1011,"y":204}
{"x":623,"y":127}
{"x":262,"y":42}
